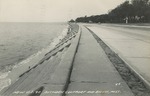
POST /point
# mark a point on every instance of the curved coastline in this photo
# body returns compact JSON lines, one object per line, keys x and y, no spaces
{"x":9,"y":77}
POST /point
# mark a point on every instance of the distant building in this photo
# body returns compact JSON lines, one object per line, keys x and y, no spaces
{"x":90,"y":21}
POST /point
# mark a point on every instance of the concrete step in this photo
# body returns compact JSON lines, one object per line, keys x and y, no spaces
{"x":33,"y":78}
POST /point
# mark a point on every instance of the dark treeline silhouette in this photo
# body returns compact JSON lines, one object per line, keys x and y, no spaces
{"x":136,"y":11}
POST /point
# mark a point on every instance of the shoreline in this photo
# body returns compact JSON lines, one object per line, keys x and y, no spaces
{"x":11,"y":74}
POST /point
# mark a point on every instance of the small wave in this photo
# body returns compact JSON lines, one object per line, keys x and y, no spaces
{"x":4,"y":83}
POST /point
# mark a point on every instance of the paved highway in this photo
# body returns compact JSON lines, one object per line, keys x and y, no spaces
{"x":130,"y":42}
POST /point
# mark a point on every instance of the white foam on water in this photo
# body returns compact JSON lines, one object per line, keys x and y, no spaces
{"x":55,"y":41}
{"x":5,"y":81}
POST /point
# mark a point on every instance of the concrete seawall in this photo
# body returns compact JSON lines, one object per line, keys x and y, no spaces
{"x":58,"y":61}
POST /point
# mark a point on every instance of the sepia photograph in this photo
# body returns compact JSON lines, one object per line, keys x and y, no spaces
{"x":74,"y":47}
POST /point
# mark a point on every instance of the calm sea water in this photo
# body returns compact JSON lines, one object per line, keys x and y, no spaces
{"x":20,"y":40}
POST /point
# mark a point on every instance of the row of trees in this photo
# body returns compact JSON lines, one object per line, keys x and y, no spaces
{"x":133,"y":12}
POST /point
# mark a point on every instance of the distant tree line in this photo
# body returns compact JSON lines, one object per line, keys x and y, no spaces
{"x":136,"y":11}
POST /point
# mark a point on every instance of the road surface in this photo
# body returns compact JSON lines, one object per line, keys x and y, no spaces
{"x":130,"y":42}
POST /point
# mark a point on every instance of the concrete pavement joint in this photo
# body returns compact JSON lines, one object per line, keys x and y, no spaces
{"x":75,"y":47}
{"x":129,"y":75}
{"x":87,"y":82}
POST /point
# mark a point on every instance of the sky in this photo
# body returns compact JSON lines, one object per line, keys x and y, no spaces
{"x":52,"y":10}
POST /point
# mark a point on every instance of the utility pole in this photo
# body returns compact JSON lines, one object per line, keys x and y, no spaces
{"x":126,"y":20}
